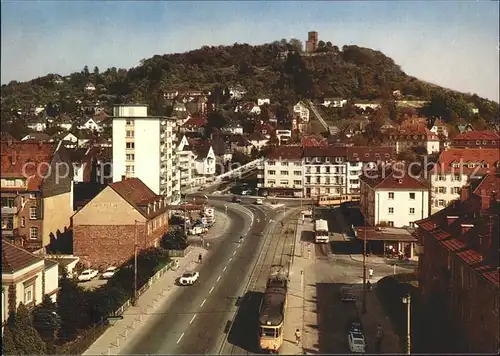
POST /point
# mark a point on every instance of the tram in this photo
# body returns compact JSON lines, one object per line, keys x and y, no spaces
{"x":272,"y":313}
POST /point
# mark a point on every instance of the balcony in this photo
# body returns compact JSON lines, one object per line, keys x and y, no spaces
{"x":260,"y":185}
{"x":260,"y":176}
{"x":8,"y":210}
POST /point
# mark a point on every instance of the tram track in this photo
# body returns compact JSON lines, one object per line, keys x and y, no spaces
{"x":278,"y":249}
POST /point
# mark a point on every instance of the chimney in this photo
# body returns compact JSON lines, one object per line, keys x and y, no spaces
{"x":464,"y":194}
{"x":124,"y":177}
{"x":451,"y":219}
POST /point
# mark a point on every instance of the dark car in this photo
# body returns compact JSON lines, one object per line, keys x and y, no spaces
{"x":355,"y":325}
{"x":236,"y":199}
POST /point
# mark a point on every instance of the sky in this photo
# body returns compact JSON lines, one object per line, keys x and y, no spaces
{"x":451,"y":43}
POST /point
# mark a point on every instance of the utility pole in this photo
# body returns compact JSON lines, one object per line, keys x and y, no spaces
{"x":135,"y":265}
{"x":407,"y":301}
{"x":364,"y":271}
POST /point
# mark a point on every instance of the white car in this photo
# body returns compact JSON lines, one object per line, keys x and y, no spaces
{"x":189,"y":278}
{"x":110,"y":272}
{"x":356,"y":342}
{"x":87,"y":275}
{"x":259,"y":202}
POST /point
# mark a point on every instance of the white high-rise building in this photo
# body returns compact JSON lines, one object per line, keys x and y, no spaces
{"x":143,"y":147}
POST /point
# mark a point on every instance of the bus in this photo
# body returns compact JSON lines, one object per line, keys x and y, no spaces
{"x":335,"y":200}
{"x":321,"y":231}
{"x":272,"y":314}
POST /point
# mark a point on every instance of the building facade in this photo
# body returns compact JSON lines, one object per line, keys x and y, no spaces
{"x":391,"y":197}
{"x":458,"y":266}
{"x":125,"y":213}
{"x":282,"y":172}
{"x":143,"y":147}
{"x":477,"y":139}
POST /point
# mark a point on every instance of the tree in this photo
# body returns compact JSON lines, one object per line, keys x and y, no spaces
{"x":86,"y":70}
{"x":322,"y":44}
{"x":9,"y":347}
{"x":96,"y":70}
{"x":296,"y":44}
{"x":45,"y":319}
{"x":71,"y":302}
{"x":329,"y":45}
{"x":240,"y":158}
{"x":22,"y":338}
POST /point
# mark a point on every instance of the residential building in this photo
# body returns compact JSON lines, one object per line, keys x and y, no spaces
{"x":263,"y":101}
{"x":283,"y":135}
{"x":186,"y":164}
{"x":465,"y":128}
{"x":37,"y":193}
{"x":300,"y":109}
{"x":69,"y":140}
{"x":324,"y":171}
{"x":36,"y":136}
{"x":312,"y":42}
{"x":258,"y":140}
{"x":439,"y":128}
{"x":143,"y":147}
{"x":90,"y":87}
{"x":239,"y":143}
{"x":455,"y":168}
{"x":36,"y":124}
{"x":282,"y":172}
{"x":125,"y":214}
{"x":194,"y":125}
{"x":459,"y":264}
{"x":411,"y":137}
{"x":91,"y":124}
{"x":334,"y":102}
{"x":391,"y":197}
{"x":364,"y":105}
{"x":477,"y":139}
{"x":233,"y":129}
{"x":26,"y":278}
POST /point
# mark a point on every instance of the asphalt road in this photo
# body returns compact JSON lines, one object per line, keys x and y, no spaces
{"x":193,"y":320}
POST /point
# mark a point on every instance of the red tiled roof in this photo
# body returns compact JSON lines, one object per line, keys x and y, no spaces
{"x":370,"y":154}
{"x":257,"y":136}
{"x":15,"y":258}
{"x":478,"y":135}
{"x":134,"y":191}
{"x":195,"y":122}
{"x":490,"y":183}
{"x":325,"y":151}
{"x":314,"y":142}
{"x":463,"y":156}
{"x":29,"y":160}
{"x":388,"y":177}
{"x":287,"y":152}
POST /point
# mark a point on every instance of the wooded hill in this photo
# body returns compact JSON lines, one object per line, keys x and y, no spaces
{"x":277,"y":70}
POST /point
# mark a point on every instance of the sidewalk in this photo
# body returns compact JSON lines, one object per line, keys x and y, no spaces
{"x":301,"y":308}
{"x":117,"y":335}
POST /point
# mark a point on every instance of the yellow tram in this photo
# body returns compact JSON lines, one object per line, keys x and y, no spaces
{"x":272,"y":314}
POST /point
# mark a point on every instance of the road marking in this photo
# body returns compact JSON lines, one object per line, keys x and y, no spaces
{"x":194,"y":317}
{"x":180,"y":338}
{"x":224,"y":269}
{"x":202,"y":303}
{"x":218,"y":279}
{"x":234,"y":253}
{"x":230,"y":259}
{"x":211,"y":290}
{"x":238,"y":246}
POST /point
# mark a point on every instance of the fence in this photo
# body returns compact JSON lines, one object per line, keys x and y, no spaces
{"x":178,"y":253}
{"x":84,"y":340}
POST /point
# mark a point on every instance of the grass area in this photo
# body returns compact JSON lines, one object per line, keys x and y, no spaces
{"x":162,"y":264}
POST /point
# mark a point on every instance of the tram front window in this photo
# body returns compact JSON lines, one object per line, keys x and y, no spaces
{"x":268,"y":332}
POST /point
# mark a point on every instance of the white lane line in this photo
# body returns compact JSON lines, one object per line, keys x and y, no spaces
{"x":238,"y":246}
{"x":211,"y":290}
{"x":218,"y":279}
{"x":180,"y":338}
{"x":224,"y":269}
{"x":230,"y":259}
{"x":192,"y":319}
{"x":202,"y":303}
{"x":234,"y":253}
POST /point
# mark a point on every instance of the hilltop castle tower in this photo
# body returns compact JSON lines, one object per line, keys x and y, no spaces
{"x":312,"y":42}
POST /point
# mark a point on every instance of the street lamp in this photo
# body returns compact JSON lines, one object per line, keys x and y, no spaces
{"x":407,"y":301}
{"x":364,"y":271}
{"x":135,"y":265}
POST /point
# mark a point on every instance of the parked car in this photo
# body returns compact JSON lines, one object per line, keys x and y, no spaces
{"x":259,"y":202}
{"x":87,"y":275}
{"x":189,"y":278}
{"x":110,"y":272}
{"x":236,"y":199}
{"x":347,"y":295}
{"x":356,"y":342}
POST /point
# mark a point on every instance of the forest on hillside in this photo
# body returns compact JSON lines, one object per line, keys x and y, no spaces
{"x":277,"y":70}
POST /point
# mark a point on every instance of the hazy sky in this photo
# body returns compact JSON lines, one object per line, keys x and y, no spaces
{"x":453,"y":44}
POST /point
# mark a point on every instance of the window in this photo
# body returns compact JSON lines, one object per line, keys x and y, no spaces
{"x":23,"y":222}
{"x":390,"y":223}
{"x":297,"y":164}
{"x":129,"y":122}
{"x":8,"y":203}
{"x":391,"y":210}
{"x":130,"y":145}
{"x":284,"y":163}
{"x":271,"y":182}
{"x":412,"y":196}
{"x":412,"y":224}
{"x":272,"y":173}
{"x":297,"y":173}
{"x":441,"y":178}
{"x":271,"y":163}
{"x":327,"y":170}
{"x":129,"y":169}
{"x":442,"y":190}
{"x":318,"y":169}
{"x":391,"y":195}
{"x":33,"y":214}
{"x":33,"y":233}
{"x":297,"y":182}
{"x":327,"y":159}
{"x":283,"y":182}
{"x":441,"y":203}
{"x":457,"y":178}
{"x":130,"y":157}
{"x":284,"y":173}
{"x":130,"y":133}
{"x":412,"y":210}
{"x":456,"y":190}
{"x":28,"y":294}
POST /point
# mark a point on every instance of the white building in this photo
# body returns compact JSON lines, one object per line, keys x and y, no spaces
{"x":283,"y":136}
{"x":92,"y":125}
{"x":26,"y":278}
{"x":454,"y":169}
{"x":334,"y":102}
{"x":324,"y":171}
{"x":186,"y":159}
{"x":302,"y":111}
{"x":391,"y":197}
{"x":414,"y":136}
{"x":233,"y":129}
{"x":263,"y":101}
{"x":197,"y":164}
{"x":143,"y":147}
{"x":90,"y":87}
